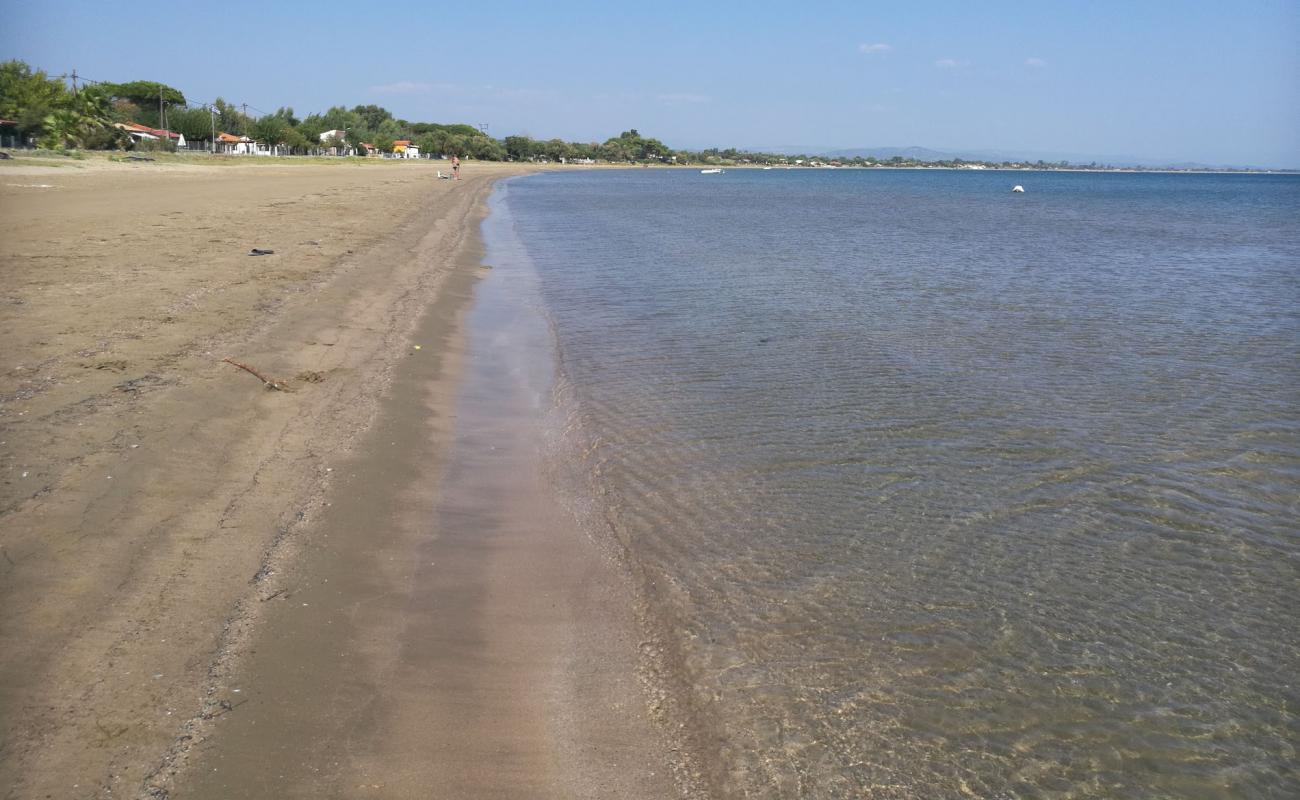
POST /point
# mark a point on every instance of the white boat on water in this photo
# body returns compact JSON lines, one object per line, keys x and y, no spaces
{"x":714,"y":171}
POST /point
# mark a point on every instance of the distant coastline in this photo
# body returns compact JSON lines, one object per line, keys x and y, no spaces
{"x":73,"y":114}
{"x":992,"y":168}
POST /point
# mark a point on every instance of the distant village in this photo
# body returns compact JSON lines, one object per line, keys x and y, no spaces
{"x":332,"y":143}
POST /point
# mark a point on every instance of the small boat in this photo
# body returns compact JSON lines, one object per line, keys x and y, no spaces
{"x":714,"y":171}
{"x":1017,"y":189}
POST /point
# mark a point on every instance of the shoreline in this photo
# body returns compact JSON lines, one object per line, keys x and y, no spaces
{"x":162,"y":518}
{"x":46,"y":163}
{"x":454,"y":631}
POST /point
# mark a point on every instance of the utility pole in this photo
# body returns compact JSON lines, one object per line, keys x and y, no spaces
{"x":212,"y":117}
{"x":74,"y":81}
{"x":245,"y":107}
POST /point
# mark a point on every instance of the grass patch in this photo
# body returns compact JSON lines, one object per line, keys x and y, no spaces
{"x":57,"y":158}
{"x":38,"y":158}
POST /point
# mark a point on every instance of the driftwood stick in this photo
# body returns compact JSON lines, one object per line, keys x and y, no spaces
{"x":279,"y":386}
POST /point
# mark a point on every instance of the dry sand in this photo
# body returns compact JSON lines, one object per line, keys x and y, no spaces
{"x":171,"y":531}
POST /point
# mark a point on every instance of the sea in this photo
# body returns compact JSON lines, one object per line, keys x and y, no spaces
{"x":926,"y":489}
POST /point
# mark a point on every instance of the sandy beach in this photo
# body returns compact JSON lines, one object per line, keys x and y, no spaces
{"x":215,"y":589}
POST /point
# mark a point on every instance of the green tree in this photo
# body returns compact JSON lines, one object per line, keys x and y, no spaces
{"x":29,"y":97}
{"x":339,"y":118}
{"x":557,"y":149}
{"x":355,"y":138}
{"x":195,"y":124}
{"x":486,"y":149}
{"x":271,"y":130}
{"x":519,"y":148}
{"x":93,"y":102}
{"x":615,"y":149}
{"x":630,"y":145}
{"x":146,"y":93}
{"x":286,"y":113}
{"x":93,"y":105}
{"x":388,"y":129}
{"x":296,"y":142}
{"x":106,"y":138}
{"x":312,"y":126}
{"x":63,"y":128}
{"x":68,"y":127}
{"x":124,"y":111}
{"x":428,"y":143}
{"x":371,"y":116}
{"x":457,"y":145}
{"x":154,"y":100}
{"x":229,"y":118}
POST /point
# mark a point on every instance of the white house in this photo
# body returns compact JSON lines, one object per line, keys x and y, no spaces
{"x":141,"y":133}
{"x":341,"y":136}
{"x":235,"y":145}
{"x":405,"y":148}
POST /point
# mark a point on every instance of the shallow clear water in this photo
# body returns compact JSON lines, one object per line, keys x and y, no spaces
{"x":939,"y":490}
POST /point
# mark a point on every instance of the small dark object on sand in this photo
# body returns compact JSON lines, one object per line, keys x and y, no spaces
{"x":257,"y":251}
{"x":270,"y":383}
{"x":4,"y":156}
{"x":138,"y":158}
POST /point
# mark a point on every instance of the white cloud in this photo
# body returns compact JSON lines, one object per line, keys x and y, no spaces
{"x":1035,"y":62}
{"x":949,"y":63}
{"x":683,"y":99}
{"x":878,"y":47}
{"x":401,"y":87}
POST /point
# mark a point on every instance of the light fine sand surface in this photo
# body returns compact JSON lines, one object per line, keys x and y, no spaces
{"x":186,"y":554}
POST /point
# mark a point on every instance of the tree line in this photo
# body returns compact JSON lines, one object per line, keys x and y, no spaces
{"x":46,"y":110}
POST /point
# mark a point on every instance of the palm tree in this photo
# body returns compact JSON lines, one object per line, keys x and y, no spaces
{"x":64,"y":128}
{"x":94,"y":103}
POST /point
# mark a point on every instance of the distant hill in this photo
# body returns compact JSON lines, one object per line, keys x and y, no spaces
{"x":886,"y":153}
{"x":1022,"y":156}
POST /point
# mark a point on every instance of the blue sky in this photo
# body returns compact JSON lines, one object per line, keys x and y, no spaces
{"x":1213,"y":82}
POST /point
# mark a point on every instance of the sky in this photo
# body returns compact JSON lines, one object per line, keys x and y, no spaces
{"x":1161,"y":80}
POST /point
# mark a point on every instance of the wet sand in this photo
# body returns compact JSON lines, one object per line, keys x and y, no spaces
{"x":211,"y":589}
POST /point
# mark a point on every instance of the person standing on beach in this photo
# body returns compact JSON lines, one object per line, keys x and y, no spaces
{"x":455,"y":167}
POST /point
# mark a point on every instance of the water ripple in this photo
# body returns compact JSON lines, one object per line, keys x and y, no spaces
{"x":942,"y":492}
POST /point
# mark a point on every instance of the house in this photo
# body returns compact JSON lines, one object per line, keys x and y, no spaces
{"x":337,"y":135}
{"x":369,"y":149}
{"x":403,"y":148}
{"x":143,"y":133}
{"x":235,"y":145}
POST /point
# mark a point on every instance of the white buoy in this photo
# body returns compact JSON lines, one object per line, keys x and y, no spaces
{"x":1018,"y":189}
